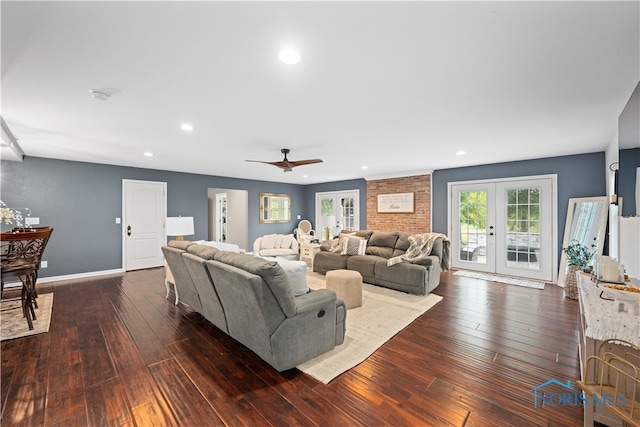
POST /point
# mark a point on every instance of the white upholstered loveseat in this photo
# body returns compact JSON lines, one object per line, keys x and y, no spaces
{"x":276,"y":245}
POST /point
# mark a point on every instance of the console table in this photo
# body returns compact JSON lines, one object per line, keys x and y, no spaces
{"x":599,"y":321}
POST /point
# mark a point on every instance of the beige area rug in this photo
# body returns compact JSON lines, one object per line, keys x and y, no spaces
{"x":384,"y":313}
{"x":501,"y":279}
{"x":14,"y":325}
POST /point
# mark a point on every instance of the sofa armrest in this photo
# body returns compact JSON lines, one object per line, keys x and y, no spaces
{"x":427,"y":261}
{"x":314,"y":300}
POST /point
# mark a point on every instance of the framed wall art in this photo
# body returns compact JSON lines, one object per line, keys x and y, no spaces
{"x":395,"y":203}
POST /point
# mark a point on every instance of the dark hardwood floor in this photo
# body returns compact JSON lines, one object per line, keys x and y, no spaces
{"x":119,"y":353}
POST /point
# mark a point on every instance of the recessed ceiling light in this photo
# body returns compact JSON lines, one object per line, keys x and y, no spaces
{"x":289,"y":56}
{"x":460,"y":153}
{"x":148,"y":154}
{"x":305,"y":176}
{"x":187,"y":127}
{"x":364,"y":167}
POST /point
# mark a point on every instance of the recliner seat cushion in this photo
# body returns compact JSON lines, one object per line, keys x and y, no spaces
{"x":325,"y":261}
{"x":406,"y":276}
{"x":365,"y":265}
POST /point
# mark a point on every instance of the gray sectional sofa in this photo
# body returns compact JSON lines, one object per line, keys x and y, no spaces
{"x":252,"y":300}
{"x":417,"y":277}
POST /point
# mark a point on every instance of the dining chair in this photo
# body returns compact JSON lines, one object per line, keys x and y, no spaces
{"x":20,"y":256}
{"x":304,"y":232}
{"x":39,"y":263}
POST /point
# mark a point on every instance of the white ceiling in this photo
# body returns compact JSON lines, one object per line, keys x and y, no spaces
{"x":396,"y":86}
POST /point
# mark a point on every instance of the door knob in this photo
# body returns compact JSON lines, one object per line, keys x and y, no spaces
{"x":128,"y":230}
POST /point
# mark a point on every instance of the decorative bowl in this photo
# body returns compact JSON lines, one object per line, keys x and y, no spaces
{"x":624,"y":292}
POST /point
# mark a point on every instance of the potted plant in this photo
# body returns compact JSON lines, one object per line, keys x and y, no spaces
{"x":578,"y":258}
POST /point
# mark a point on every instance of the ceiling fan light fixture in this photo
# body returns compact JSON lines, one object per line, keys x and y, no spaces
{"x":287,"y":165}
{"x":99,"y":94}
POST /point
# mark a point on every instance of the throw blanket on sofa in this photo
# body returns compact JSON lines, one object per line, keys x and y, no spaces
{"x":420,"y":246}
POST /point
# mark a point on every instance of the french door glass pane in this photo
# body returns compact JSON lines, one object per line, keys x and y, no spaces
{"x":473,"y":226}
{"x":327,"y":220}
{"x":523,"y":228}
{"x":347,"y":216}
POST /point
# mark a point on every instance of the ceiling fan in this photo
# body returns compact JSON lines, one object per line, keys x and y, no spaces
{"x":287,"y":165}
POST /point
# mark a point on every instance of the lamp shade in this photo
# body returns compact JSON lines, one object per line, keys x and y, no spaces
{"x":180,"y":226}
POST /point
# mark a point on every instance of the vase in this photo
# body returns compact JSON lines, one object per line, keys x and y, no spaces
{"x":571,"y":283}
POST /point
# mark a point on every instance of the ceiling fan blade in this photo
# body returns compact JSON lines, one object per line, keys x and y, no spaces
{"x":280,"y":164}
{"x":304,"y":162}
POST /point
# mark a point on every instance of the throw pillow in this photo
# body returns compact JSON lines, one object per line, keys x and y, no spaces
{"x":341,"y":239}
{"x":287,"y":241}
{"x":354,"y":246}
{"x":267,"y":241}
{"x":278,"y":241}
{"x":297,"y":273}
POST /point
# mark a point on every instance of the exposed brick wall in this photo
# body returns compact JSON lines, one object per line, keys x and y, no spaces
{"x":417,"y":222}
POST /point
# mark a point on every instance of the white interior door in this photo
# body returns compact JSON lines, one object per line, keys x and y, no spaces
{"x":336,"y":211}
{"x":144,"y":213}
{"x":505,"y":227}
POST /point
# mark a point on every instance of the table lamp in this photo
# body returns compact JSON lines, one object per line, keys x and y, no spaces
{"x":179,"y":226}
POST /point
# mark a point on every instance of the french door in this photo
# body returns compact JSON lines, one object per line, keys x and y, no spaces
{"x":336,"y":211}
{"x":504,"y":227}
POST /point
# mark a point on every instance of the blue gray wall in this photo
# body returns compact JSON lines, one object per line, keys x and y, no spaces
{"x":580,"y":175}
{"x":82,"y":200}
{"x":353,"y":184}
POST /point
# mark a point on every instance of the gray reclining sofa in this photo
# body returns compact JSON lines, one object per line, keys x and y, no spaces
{"x":251,"y":300}
{"x":419,"y":277}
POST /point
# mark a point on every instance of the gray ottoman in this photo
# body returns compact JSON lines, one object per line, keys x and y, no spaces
{"x":347,"y":285}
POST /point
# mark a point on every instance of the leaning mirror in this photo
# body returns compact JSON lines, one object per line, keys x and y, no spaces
{"x":586,"y":223}
{"x":275,"y":208}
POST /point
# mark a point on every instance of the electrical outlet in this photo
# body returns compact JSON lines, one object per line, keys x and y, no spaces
{"x":31,"y":220}
{"x":43,"y":264}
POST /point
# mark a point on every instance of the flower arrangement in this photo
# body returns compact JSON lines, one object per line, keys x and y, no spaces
{"x":10,"y":216}
{"x":578,"y":254}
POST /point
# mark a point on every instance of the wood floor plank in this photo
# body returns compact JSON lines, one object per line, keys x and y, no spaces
{"x":65,"y":385}
{"x":9,"y":358}
{"x":120,"y":353}
{"x":27,"y":399}
{"x":149,"y":346}
{"x":229,"y":407}
{"x":97,"y":365}
{"x":107,"y":404}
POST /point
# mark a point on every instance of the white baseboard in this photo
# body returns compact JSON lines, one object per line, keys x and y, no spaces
{"x":80,"y":275}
